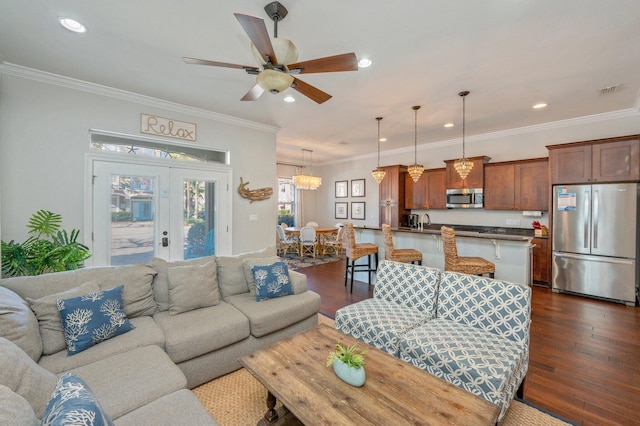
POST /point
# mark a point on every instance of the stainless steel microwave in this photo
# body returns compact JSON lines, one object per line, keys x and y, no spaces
{"x":465,"y":198}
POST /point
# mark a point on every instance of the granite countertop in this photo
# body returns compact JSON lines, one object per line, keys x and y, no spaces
{"x":486,"y":232}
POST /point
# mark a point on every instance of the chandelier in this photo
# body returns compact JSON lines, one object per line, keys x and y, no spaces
{"x":463,"y":165}
{"x":378,"y":174}
{"x":416,"y":169}
{"x":307,"y":181}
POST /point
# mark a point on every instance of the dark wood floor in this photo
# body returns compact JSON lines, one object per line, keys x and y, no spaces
{"x":584,"y":354}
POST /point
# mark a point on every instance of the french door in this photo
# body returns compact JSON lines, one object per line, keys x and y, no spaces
{"x":145,"y":209}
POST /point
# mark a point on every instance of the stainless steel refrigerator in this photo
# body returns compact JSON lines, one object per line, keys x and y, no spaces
{"x":595,"y":240}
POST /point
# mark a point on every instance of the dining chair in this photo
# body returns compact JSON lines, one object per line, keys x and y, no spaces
{"x":398,"y":255}
{"x":312,"y":224}
{"x":287,"y":242}
{"x":354,"y":252}
{"x":465,"y":265}
{"x":308,"y":241}
{"x":333,"y":243}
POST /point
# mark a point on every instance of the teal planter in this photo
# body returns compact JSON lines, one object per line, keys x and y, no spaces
{"x":353,"y":376}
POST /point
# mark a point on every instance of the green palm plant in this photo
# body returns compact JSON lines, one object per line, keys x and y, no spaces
{"x":49,"y":249}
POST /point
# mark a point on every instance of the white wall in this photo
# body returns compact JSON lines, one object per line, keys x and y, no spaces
{"x":44,"y":137}
{"x":516,"y":144}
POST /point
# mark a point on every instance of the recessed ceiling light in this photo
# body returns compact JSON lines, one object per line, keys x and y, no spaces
{"x":448,"y":125}
{"x":383,"y":139}
{"x":364,"y":63}
{"x":289,"y":99}
{"x":540,"y":105}
{"x":72,"y":25}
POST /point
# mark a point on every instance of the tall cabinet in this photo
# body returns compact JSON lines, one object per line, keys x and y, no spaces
{"x":392,"y":196}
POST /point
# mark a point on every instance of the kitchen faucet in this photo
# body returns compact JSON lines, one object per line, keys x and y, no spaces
{"x":422,"y":220}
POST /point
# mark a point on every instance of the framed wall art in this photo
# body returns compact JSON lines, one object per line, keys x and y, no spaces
{"x":357,"y":210}
{"x":341,"y":211}
{"x":342,"y":188}
{"x":357,"y":187}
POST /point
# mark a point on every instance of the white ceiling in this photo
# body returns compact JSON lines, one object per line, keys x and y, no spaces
{"x":509,"y":53}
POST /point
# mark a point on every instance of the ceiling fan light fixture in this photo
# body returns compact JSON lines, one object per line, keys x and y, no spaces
{"x":378,"y":174}
{"x":463,"y":165}
{"x":286,"y":52}
{"x":415,"y":170}
{"x":274,"y":81}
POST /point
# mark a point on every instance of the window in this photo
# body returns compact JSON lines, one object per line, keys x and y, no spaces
{"x":286,"y":201}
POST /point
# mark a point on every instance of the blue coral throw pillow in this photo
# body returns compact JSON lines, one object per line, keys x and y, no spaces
{"x":73,"y":403}
{"x":272,"y":281}
{"x":93,"y":318}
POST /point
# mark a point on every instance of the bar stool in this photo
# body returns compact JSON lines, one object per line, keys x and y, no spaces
{"x":398,"y":255}
{"x":356,"y":251}
{"x":465,"y":265}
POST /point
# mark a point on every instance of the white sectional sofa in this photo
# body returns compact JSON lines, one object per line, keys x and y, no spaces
{"x":469,"y":330}
{"x":143,"y":376}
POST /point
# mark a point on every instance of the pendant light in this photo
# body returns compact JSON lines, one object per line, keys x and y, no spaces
{"x":416,"y":169}
{"x":463,"y":165}
{"x":303,"y":181}
{"x":378,"y":174}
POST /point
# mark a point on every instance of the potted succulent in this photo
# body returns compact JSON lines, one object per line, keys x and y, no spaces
{"x":348,"y":364}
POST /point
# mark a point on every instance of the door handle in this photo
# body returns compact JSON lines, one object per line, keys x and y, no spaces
{"x":596,"y":208}
{"x":587,"y":213}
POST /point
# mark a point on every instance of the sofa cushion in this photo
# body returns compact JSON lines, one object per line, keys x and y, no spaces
{"x":72,"y":402}
{"x":147,"y":372}
{"x":379,"y":322}
{"x":50,"y":323}
{"x":137,"y":279}
{"x":146,"y":332}
{"x":231,"y":279}
{"x":248,"y":265}
{"x":178,"y":408}
{"x":484,"y":363}
{"x":15,"y":410}
{"x":272,"y":281}
{"x":409,"y":285}
{"x":22,"y":375}
{"x":93,"y":318}
{"x":19,"y":324}
{"x":275,"y":314}
{"x":194,"y":333}
{"x":496,"y":306}
{"x":192,"y":287}
{"x":161,"y":280}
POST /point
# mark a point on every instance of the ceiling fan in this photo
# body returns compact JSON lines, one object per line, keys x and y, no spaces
{"x":278,"y":59}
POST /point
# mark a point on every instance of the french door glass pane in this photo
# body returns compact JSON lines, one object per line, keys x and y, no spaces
{"x":199,"y":218}
{"x":132,"y":219}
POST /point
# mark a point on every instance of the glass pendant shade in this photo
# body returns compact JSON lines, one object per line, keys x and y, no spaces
{"x":415,"y":171}
{"x":274,"y":81}
{"x":309,"y":181}
{"x":463,"y":165}
{"x":378,"y":174}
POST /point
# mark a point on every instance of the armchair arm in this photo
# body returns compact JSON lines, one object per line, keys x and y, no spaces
{"x":298,"y":282}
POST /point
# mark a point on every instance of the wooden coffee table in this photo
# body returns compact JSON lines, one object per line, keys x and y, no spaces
{"x":395,"y":393}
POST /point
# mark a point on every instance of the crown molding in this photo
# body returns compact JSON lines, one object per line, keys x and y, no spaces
{"x":98,"y":89}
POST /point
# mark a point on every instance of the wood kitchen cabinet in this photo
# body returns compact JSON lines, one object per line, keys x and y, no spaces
{"x":428,"y":193}
{"x":517,"y":185}
{"x":475,"y":178}
{"x":392,"y":193}
{"x":540,"y":264}
{"x":604,"y":160}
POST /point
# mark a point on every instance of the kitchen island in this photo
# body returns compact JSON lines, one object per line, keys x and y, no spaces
{"x":510,"y":249}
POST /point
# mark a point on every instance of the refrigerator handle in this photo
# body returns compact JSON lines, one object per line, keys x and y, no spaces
{"x":596,"y":207}
{"x":586,"y":219}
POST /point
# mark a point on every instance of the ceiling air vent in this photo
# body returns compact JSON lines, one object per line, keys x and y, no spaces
{"x":609,"y":90}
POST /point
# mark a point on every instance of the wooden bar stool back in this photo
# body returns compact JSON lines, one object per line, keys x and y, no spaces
{"x":465,"y":265}
{"x":398,"y":255}
{"x":356,"y":251}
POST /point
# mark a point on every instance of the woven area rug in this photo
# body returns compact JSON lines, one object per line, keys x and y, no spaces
{"x":294,"y":262}
{"x":237,"y":399}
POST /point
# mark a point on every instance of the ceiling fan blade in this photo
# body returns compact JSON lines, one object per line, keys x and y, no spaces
{"x":344,"y":62}
{"x":197,"y":61}
{"x":253,"y":94}
{"x":257,"y":32}
{"x":310,"y":91}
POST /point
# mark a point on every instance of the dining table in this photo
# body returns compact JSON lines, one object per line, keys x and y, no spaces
{"x":321,"y":231}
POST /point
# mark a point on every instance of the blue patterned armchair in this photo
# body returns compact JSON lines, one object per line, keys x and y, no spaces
{"x":480,"y":338}
{"x":404,"y":297}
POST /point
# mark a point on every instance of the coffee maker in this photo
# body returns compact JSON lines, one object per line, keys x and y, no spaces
{"x":412,"y":220}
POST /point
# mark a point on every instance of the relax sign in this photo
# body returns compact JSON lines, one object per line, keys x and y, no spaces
{"x":154,"y":125}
